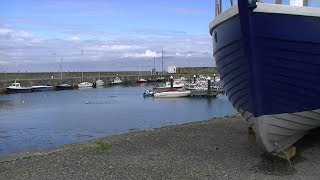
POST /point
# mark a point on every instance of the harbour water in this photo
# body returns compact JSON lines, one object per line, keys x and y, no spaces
{"x":50,"y":119}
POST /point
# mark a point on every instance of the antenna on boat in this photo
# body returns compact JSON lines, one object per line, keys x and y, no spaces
{"x":218,"y":5}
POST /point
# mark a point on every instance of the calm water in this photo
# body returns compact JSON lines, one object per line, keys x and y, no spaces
{"x":50,"y":119}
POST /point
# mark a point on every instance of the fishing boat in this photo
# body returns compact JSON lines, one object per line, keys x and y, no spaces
{"x":17,"y":88}
{"x":42,"y":87}
{"x":172,"y":93}
{"x":268,"y":56}
{"x":116,"y":81}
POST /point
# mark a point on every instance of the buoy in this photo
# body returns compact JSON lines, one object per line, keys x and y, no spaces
{"x":86,"y":102}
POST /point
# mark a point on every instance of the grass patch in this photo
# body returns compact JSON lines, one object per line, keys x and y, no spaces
{"x":102,"y":146}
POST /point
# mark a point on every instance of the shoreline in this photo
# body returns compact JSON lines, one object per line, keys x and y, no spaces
{"x":215,"y":148}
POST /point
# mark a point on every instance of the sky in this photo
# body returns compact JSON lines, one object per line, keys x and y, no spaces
{"x":94,"y":35}
{"x":105,"y":35}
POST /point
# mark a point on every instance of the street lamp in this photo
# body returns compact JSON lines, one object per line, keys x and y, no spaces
{"x":194,"y":78}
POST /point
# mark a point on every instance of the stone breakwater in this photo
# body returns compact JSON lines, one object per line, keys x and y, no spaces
{"x":213,"y":149}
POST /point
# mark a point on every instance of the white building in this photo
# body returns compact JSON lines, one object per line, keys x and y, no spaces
{"x":172,"y":69}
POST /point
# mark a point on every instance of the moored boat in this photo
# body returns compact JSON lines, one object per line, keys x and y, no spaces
{"x":85,"y":85}
{"x":17,"y":88}
{"x":141,"y":80}
{"x":116,"y":81}
{"x":42,"y":87}
{"x":64,"y":86}
{"x":172,"y":93}
{"x":148,"y":92}
{"x":167,"y":85}
{"x":268,"y":58}
{"x":99,"y":82}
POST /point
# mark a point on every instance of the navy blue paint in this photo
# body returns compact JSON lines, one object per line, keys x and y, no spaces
{"x":273,"y":58}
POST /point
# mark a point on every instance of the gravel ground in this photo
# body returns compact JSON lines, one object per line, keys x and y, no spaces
{"x":214,"y":149}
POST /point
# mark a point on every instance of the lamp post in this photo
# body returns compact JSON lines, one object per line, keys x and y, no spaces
{"x":194,"y":78}
{"x":171,"y":81}
{"x":214,"y":77}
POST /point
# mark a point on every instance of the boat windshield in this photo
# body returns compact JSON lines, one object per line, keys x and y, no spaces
{"x":223,"y":5}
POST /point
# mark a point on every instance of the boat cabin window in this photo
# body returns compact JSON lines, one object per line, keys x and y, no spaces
{"x":223,"y":5}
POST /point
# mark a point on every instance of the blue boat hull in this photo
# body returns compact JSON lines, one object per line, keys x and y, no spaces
{"x":15,"y":91}
{"x":59,"y":88}
{"x":42,"y":89}
{"x":283,"y":74}
{"x":269,"y":63}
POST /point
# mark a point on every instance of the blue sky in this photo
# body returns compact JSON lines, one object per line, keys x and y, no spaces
{"x":113,"y":34}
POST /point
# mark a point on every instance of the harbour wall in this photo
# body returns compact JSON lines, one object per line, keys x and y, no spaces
{"x":53,"y":78}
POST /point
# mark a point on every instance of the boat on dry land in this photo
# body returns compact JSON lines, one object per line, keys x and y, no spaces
{"x":268,"y":56}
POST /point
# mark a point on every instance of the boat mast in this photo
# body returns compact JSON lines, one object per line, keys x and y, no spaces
{"x":61,"y":65}
{"x":162,"y":60}
{"x":82,"y":68}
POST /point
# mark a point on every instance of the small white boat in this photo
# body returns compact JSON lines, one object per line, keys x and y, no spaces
{"x":99,"y":82}
{"x":17,"y":88}
{"x":172,"y":93}
{"x":142,"y":80}
{"x":116,"y":80}
{"x":85,"y":85}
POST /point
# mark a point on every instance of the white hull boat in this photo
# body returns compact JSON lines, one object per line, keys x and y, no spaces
{"x":116,"y":80}
{"x":99,"y":82}
{"x":172,"y":94}
{"x":85,"y":85}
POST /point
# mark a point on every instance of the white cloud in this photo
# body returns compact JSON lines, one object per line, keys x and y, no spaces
{"x":28,"y":50}
{"x":74,"y":38}
{"x":147,"y":53}
{"x":4,"y":31}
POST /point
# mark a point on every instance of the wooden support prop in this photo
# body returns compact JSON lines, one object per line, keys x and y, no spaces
{"x":286,"y":154}
{"x":251,"y":135}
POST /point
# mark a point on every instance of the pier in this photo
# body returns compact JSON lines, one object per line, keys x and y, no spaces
{"x":128,"y":77}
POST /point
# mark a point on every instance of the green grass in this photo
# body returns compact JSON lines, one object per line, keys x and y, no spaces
{"x":102,"y":146}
